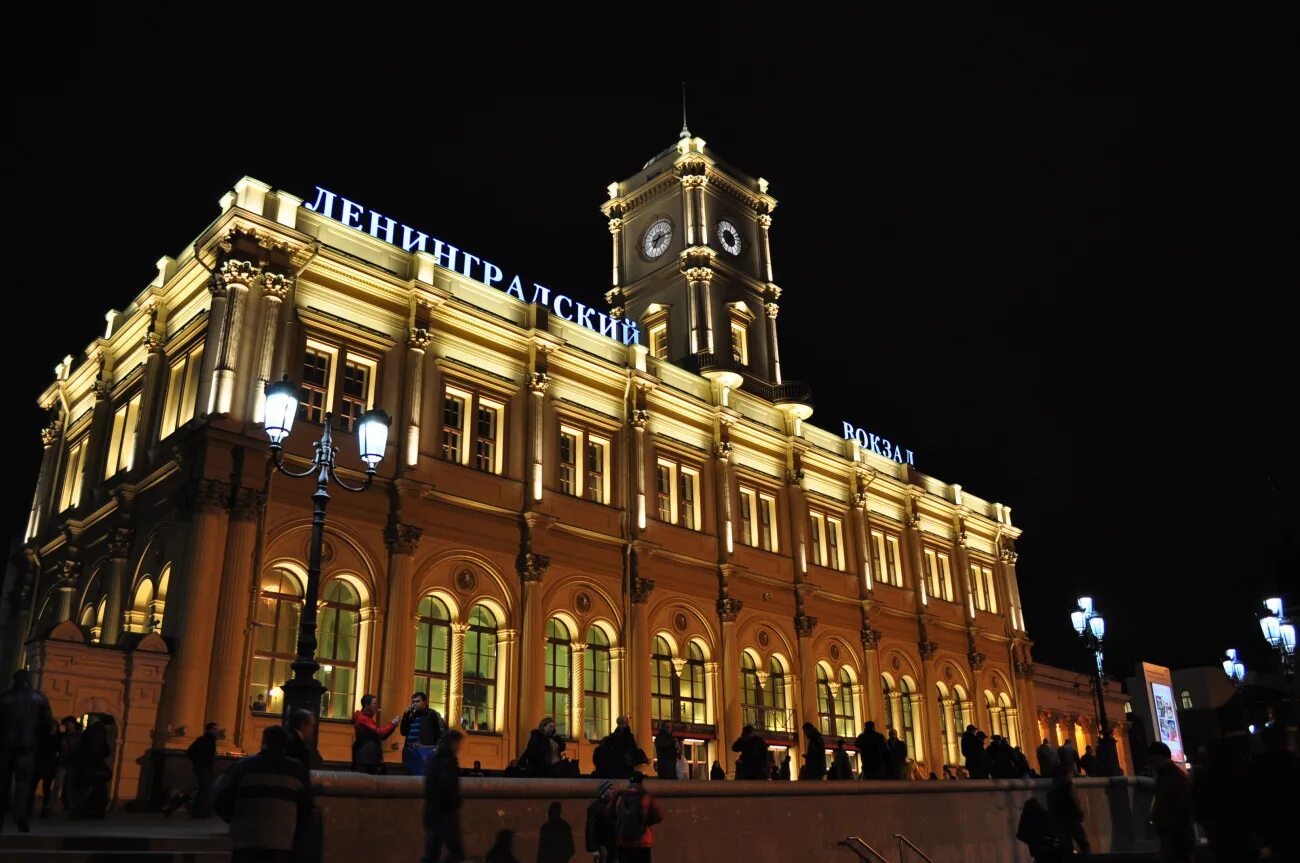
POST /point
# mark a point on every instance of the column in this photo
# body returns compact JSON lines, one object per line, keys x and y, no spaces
{"x":532,"y":637}
{"x":730,"y":721}
{"x":896,"y":712}
{"x":804,"y":627}
{"x":51,"y":438}
{"x":875,"y":695}
{"x":115,"y":585}
{"x":456,"y":683}
{"x":512,"y":740}
{"x":927,"y":696}
{"x":773,"y":349}
{"x":638,"y":663}
{"x":152,"y":391}
{"x":231,"y":629}
{"x":92,"y":470}
{"x":961,"y":567}
{"x":187,"y":686}
{"x":20,"y":597}
{"x":617,"y":707}
{"x":639,"y":419}
{"x":1007,"y":564}
{"x":578,"y":690}
{"x":275,"y":287}
{"x":399,"y":637}
{"x":722,"y":492}
{"x":951,"y":753}
{"x":417,"y":341}
{"x":69,"y":574}
{"x":979,"y":708}
{"x":912,"y":549}
{"x":616,"y":234}
{"x":926,"y":739}
{"x":537,"y":383}
{"x":237,"y":275}
{"x":215,"y":342}
{"x":697,"y":282}
{"x":765,"y":247}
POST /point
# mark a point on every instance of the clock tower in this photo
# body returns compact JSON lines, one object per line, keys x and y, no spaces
{"x":693,"y":267}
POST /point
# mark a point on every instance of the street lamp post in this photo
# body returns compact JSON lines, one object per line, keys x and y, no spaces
{"x":1091,"y":627}
{"x":1234,"y":667}
{"x":1279,"y":632}
{"x":303,"y":690}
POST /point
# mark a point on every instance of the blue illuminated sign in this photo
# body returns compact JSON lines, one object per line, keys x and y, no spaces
{"x":877,"y":444}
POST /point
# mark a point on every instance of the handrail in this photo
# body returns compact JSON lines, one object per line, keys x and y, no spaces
{"x":903,"y":840}
{"x":848,"y":842}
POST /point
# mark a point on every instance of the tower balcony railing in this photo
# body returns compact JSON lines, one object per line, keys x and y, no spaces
{"x":786,"y":392}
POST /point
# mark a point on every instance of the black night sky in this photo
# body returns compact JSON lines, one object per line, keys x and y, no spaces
{"x":1018,"y":247}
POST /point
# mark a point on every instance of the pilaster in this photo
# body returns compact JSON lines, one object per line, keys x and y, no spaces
{"x":532,"y":636}
{"x":231,"y":628}
{"x":730,"y":721}
{"x":236,"y":277}
{"x":275,"y":288}
{"x":400,"y":623}
{"x":115,"y":585}
{"x":455,"y":688}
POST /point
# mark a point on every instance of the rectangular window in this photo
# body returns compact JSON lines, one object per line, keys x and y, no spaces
{"x":659,"y":341}
{"x":885,"y":558}
{"x":597,"y":453}
{"x":584,"y":464}
{"x":453,"y":425}
{"x":356,"y":397}
{"x":981,"y":578}
{"x":938,"y":575}
{"x":835,"y":543}
{"x":336,"y":381}
{"x":826,"y":538}
{"x":739,"y":344}
{"x":893,"y":561}
{"x":182,"y":390}
{"x":677,"y":492}
{"x":767,"y":522}
{"x":688,"y":482}
{"x":487,"y":431}
{"x":70,"y":493}
{"x":317,"y":381}
{"x":568,"y":462}
{"x":748,"y":534}
{"x":816,"y":527}
{"x":121,"y":442}
{"x":664,"y":490}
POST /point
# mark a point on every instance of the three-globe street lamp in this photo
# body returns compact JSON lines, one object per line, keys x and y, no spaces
{"x":1279,"y":632}
{"x":1091,"y":627}
{"x":1234,"y":667}
{"x":303,"y":690}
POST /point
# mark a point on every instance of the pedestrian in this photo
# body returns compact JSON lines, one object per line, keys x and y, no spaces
{"x":752,"y":763}
{"x":666,"y":749}
{"x":266,"y":799}
{"x":512,"y":769}
{"x":1069,"y":756}
{"x":1273,"y":775}
{"x":1171,"y":809}
{"x":47,"y":759}
{"x":716,"y":773}
{"x":841,"y":767}
{"x":24,"y":719}
{"x":873,"y":754}
{"x":477,"y":770}
{"x":368,"y":736}
{"x":442,"y":802}
{"x":969,"y":740}
{"x":1038,"y":832}
{"x":1067,"y":814}
{"x":423,"y":727}
{"x":1020,"y":763}
{"x":978,"y":763}
{"x":1001,"y":760}
{"x":623,"y":754}
{"x":602,"y":840}
{"x":1088,"y":762}
{"x":1047,"y":760}
{"x":302,"y":738}
{"x":683,"y":769}
{"x":814,"y":754}
{"x":91,"y":772}
{"x":635,"y":812}
{"x":69,"y":737}
{"x":896,"y":751}
{"x":784,"y":773}
{"x":1108,"y":755}
{"x":203,"y":756}
{"x":541,"y":757}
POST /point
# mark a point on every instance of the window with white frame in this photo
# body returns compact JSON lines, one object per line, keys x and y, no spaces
{"x":182,"y":390}
{"x":70,"y":491}
{"x":472,"y":429}
{"x":938,"y":575}
{"x":121,"y":441}
{"x":335,"y":380}
{"x":885,"y":558}
{"x":677,"y":492}
{"x":739,"y":343}
{"x":826,"y":539}
{"x":981,"y":579}
{"x":584,"y":463}
{"x":659,"y":341}
{"x":758,"y":519}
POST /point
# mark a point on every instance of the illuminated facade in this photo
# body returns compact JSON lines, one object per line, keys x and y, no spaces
{"x":566,"y":524}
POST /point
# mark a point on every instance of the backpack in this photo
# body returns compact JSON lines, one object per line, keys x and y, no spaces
{"x":629,"y":818}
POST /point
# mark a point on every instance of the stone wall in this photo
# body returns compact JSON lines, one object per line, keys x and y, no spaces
{"x":377,"y":819}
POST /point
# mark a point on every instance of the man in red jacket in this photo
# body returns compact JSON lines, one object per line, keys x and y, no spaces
{"x":634,"y":812}
{"x":367,"y":746}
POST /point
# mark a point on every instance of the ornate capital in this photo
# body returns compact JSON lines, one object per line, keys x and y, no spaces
{"x":152,"y":342}
{"x":233,"y":272}
{"x":119,"y":543}
{"x":976,"y":660}
{"x":1024,"y":669}
{"x":871,"y":638}
{"x":615,"y":225}
{"x":962,"y":539}
{"x":276,"y":286}
{"x":914,"y":521}
{"x":795,"y":477}
{"x":1007,"y":552}
{"x":402,"y":538}
{"x":698,"y":274}
{"x":211,"y":495}
{"x":459,"y":629}
{"x":772,"y":310}
{"x":538,"y":382}
{"x":418,"y":338}
{"x":640,"y":417}
{"x":729,"y":609}
{"x":532,"y":566}
{"x":248,"y":504}
{"x":804,"y":625}
{"x":928,"y":649}
{"x":51,"y":432}
{"x":102,"y":389}
{"x":67,"y":575}
{"x":722,"y":450}
{"x":764,"y":221}
{"x":694,"y":181}
{"x":641,"y":589}
{"x":678,"y":665}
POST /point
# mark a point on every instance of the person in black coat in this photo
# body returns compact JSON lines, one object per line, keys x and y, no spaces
{"x":666,"y":749}
{"x":978,"y":764}
{"x":897,"y":756}
{"x":872,"y":752}
{"x":716,"y":773}
{"x":623,"y":754}
{"x":753,"y":761}
{"x":601,"y":833}
{"x":814,"y":756}
{"x":442,"y":801}
{"x":203,"y":755}
{"x":90,"y":773}
{"x":542,"y":756}
{"x":841,"y":767}
{"x":969,"y":741}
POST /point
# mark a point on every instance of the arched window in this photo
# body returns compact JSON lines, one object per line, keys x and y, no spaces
{"x":159,"y":603}
{"x":844,"y":705}
{"x":433,"y":652}
{"x":997,"y":719}
{"x":87,"y":621}
{"x":949,"y":735}
{"x":279,"y":607}
{"x":776,"y":698}
{"x":1009,"y":729}
{"x":909,"y":730}
{"x":825,"y":703}
{"x":480,"y":677}
{"x":751,"y":696}
{"x":1185,"y":698}
{"x":960,"y":714}
{"x":336,"y":651}
{"x":596,"y":684}
{"x":691,"y":686}
{"x":136,"y":618}
{"x":662,"y":689}
{"x":559,"y":667}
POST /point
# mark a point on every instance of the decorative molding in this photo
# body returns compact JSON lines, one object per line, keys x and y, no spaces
{"x":532,"y":567}
{"x":51,"y":432}
{"x":641,"y":589}
{"x":928,"y":649}
{"x":729,"y":609}
{"x":418,"y":338}
{"x":102,"y":389}
{"x":722,"y":450}
{"x":640,"y":417}
{"x":152,"y":341}
{"x":402,"y":538}
{"x":976,"y":660}
{"x":235,"y":272}
{"x":466,"y":581}
{"x":277,"y":286}
{"x":772,"y":310}
{"x":680,"y":621}
{"x":211,"y":495}
{"x":804,"y":625}
{"x":1007,"y":552}
{"x":119,"y":543}
{"x":248,"y":504}
{"x":538,"y":382}
{"x":698,"y":274}
{"x":764,"y":220}
{"x":69,"y":571}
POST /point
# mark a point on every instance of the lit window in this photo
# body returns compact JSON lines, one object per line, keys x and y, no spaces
{"x":182,"y":390}
{"x":558,"y":668}
{"x":826,"y":539}
{"x":677,"y":697}
{"x":479,"y":446}
{"x":662,"y":677}
{"x":596,"y":684}
{"x":569,"y":462}
{"x":279,"y":607}
{"x":747,"y":505}
{"x":337,"y":648}
{"x":453,"y":425}
{"x":358,"y":392}
{"x":677,"y":493}
{"x":433,"y":652}
{"x":664,"y":490}
{"x":480,"y":674}
{"x":589,"y":477}
{"x":317,"y":380}
{"x":938,"y":575}
{"x":982,"y":584}
{"x":320,"y":392}
{"x":1185,"y":698}
{"x":816,"y":529}
{"x":70,"y":491}
{"x":597,"y":454}
{"x":758,"y":519}
{"x":764,"y":704}
{"x":121,"y":442}
{"x":659,"y":341}
{"x":767,"y":522}
{"x":885,"y":558}
{"x":688,"y":507}
{"x":909,"y":719}
{"x":487,"y":431}
{"x":739,"y":344}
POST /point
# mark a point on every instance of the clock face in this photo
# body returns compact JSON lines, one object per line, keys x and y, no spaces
{"x":657,"y":237}
{"x":729,"y":237}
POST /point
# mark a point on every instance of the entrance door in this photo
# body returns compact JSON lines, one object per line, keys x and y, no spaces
{"x":696,"y":753}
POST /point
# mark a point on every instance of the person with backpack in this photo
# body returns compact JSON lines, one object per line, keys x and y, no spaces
{"x":1037,"y":831}
{"x":602,"y":836}
{"x":635,"y":812}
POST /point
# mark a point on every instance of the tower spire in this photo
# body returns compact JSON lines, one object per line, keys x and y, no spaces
{"x":686,"y":132}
